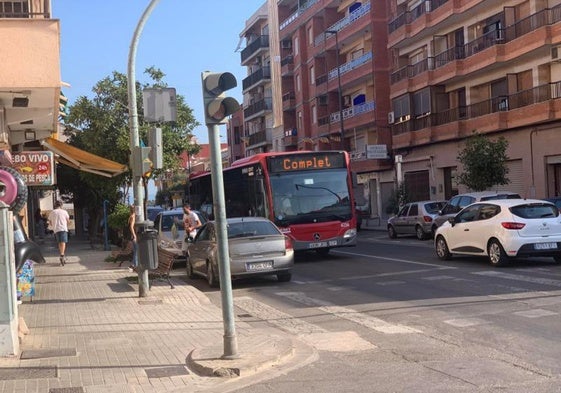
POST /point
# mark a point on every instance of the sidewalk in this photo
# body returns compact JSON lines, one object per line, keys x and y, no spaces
{"x":90,"y":332}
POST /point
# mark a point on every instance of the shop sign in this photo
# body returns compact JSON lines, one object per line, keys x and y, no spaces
{"x":36,"y":167}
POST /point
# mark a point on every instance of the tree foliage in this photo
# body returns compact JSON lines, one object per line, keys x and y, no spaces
{"x":484,"y":163}
{"x":100,"y":125}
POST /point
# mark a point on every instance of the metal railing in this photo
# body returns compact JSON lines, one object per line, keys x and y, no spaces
{"x":354,"y":110}
{"x":351,"y":65}
{"x":346,"y":21}
{"x":258,"y":76}
{"x":24,"y":9}
{"x":503,"y":103}
{"x":260,"y":42}
{"x":296,"y":14}
{"x":263,"y":105}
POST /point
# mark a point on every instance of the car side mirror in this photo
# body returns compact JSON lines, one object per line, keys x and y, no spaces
{"x":452,"y":221}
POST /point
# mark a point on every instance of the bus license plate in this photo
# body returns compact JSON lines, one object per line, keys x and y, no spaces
{"x":545,"y":246}
{"x":265,"y":265}
{"x":317,"y":245}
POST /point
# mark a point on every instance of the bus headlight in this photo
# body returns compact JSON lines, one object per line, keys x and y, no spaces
{"x":349,"y":233}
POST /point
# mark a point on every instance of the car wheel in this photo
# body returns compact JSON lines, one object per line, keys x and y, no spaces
{"x":211,"y":275}
{"x":497,"y":255}
{"x":391,"y":232}
{"x":189,"y":268}
{"x":284,"y":277}
{"x":420,"y":233}
{"x":441,"y":247}
{"x":323,"y":251}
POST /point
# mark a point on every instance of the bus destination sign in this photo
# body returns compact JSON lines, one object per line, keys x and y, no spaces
{"x":303,"y":162}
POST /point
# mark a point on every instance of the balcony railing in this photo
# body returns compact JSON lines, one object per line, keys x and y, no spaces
{"x":341,"y":24}
{"x":259,"y":75}
{"x":259,"y":43}
{"x":24,"y":9}
{"x":409,"y":16}
{"x":351,"y":65}
{"x":263,"y":105}
{"x":504,"y":103}
{"x":296,"y":14}
{"x":354,"y":110}
{"x":524,"y":26}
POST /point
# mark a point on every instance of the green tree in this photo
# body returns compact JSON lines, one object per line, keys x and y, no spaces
{"x":100,"y":126}
{"x":484,"y":163}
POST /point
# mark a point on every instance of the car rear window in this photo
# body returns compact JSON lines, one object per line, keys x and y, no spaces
{"x":534,"y":211}
{"x":255,"y":228}
{"x":501,"y":196}
{"x":434,"y":207}
{"x":168,"y":220}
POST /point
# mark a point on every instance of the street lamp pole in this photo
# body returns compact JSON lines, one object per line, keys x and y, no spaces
{"x":138,"y":187}
{"x":339,"y":89}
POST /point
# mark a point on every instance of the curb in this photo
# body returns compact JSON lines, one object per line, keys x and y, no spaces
{"x":258,"y":351}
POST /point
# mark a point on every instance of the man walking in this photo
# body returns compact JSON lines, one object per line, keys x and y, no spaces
{"x":59,"y":220}
{"x":191,"y":222}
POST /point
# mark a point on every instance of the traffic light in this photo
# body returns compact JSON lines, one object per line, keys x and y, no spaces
{"x":143,"y":166}
{"x":217,"y":105}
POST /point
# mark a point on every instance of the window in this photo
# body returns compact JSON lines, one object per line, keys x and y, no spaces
{"x":401,"y":108}
{"x":314,"y":114}
{"x":312,"y":75}
{"x":310,"y":36}
{"x":469,"y":214}
{"x":298,"y":83}
{"x":414,"y":211}
{"x":421,"y":102}
{"x":295,"y":46}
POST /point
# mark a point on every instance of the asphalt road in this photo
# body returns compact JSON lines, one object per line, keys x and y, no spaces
{"x":389,"y":316}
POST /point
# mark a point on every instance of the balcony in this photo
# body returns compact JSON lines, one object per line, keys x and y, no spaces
{"x":287,"y":66}
{"x":350,"y":66}
{"x":409,"y":16}
{"x":262,"y":75}
{"x":255,"y":47}
{"x":258,"y":109}
{"x":528,"y":29}
{"x":523,"y":108}
{"x":260,"y":138}
{"x":30,"y":84}
{"x":345,"y":22}
{"x":353,"y":116}
{"x":289,"y":101}
{"x":294,"y":16}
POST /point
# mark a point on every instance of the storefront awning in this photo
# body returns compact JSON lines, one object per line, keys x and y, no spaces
{"x":82,"y":160}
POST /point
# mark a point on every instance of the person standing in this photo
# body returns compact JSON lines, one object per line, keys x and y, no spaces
{"x":132,"y":231}
{"x":59,"y":220}
{"x":191,"y":223}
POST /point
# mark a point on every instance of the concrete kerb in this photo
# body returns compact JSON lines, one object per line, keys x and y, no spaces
{"x":259,"y":350}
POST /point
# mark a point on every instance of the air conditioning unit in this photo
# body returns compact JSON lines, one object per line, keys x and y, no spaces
{"x":391,"y":118}
{"x":286,"y":44}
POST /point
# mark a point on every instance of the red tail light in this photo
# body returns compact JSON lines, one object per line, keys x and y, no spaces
{"x":427,"y":218}
{"x":513,"y":225}
{"x":287,"y":243}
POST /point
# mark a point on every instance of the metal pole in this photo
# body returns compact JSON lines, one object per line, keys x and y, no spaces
{"x":230,"y":340}
{"x":105,"y":231}
{"x":143,"y":285}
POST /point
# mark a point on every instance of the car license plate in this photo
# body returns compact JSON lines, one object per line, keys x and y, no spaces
{"x":545,"y":246}
{"x":265,"y":265}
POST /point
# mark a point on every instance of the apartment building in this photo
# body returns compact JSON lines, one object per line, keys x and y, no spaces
{"x":485,"y":66}
{"x":331,"y":87}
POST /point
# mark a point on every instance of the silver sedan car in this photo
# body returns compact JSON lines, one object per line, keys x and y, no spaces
{"x":415,"y":218}
{"x":256,"y":247}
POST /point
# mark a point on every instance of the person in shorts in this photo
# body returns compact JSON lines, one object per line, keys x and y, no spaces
{"x":58,"y":221}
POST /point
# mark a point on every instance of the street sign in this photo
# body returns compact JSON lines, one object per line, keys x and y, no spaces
{"x":376,"y":152}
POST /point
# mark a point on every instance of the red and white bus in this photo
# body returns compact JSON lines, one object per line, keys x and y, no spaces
{"x":308,"y":195}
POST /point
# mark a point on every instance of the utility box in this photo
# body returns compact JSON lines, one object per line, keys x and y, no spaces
{"x":147,"y":239}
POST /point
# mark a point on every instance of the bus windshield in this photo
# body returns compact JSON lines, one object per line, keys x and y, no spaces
{"x":311,"y":196}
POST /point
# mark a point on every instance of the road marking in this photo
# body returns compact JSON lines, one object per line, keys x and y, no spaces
{"x":536,"y":313}
{"x":316,"y":336}
{"x":465,"y":322}
{"x":349,"y":314}
{"x":393,"y":259}
{"x":518,"y":277}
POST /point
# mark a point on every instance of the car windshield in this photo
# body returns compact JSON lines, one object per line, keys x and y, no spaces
{"x":169,"y":219}
{"x":434,"y":207}
{"x":251,"y":228}
{"x":534,"y":210}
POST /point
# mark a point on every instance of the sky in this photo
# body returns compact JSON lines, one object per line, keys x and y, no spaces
{"x":180,"y":37}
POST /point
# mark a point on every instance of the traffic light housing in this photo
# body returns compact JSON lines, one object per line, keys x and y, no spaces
{"x":143,"y":166}
{"x":217,"y":106}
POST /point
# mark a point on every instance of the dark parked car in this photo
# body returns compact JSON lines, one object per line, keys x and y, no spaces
{"x":169,"y":224}
{"x":556,"y":201}
{"x":256,"y":247}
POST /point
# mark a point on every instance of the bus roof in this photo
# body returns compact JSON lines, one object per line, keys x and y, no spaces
{"x":260,"y":156}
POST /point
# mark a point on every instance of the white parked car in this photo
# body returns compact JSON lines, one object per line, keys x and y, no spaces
{"x":502,"y":229}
